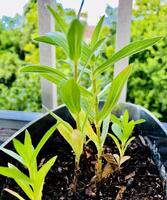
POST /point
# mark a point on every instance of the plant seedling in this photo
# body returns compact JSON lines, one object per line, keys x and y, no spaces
{"x":122,"y":137}
{"x":33,"y":182}
{"x":83,"y":103}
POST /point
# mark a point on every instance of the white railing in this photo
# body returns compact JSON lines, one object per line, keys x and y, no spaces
{"x":47,"y":52}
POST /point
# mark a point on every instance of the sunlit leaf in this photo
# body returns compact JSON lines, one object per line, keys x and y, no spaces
{"x":15,"y":174}
{"x":128,"y":50}
{"x":105,"y":128}
{"x":54,"y":38}
{"x":58,"y":19}
{"x":44,"y":69}
{"x":96,"y":32}
{"x":44,"y":139}
{"x":114,"y":92}
{"x":139,"y":121}
{"x":70,"y":95}
{"x":74,"y":37}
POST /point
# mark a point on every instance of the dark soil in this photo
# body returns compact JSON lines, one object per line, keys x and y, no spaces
{"x":137,"y":180}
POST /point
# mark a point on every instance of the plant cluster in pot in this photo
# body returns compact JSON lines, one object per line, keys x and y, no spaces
{"x":90,"y":153}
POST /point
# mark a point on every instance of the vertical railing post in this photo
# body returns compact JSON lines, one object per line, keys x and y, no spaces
{"x":123,"y":36}
{"x":47,"y":53}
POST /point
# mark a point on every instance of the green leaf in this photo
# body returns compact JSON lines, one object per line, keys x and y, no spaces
{"x":74,"y":37}
{"x":77,"y":142}
{"x":114,"y":92}
{"x":115,"y":120}
{"x":117,"y":130}
{"x":125,"y":117}
{"x":54,"y":38}
{"x":21,"y":151}
{"x":128,"y":143}
{"x":105,"y":128}
{"x":45,"y":168}
{"x":44,"y":139}
{"x":85,"y":92}
{"x":96,"y":32}
{"x":44,"y":69}
{"x":74,"y":138}
{"x":15,"y":174}
{"x":86,"y":53}
{"x":104,"y":91}
{"x":40,"y":177}
{"x":24,"y":186}
{"x":28,"y":145}
{"x":70,"y":95}
{"x":139,"y":121}
{"x":127,"y":131}
{"x":128,"y":50}
{"x":66,"y":124}
{"x":12,"y":154}
{"x":53,"y":78}
{"x":59,"y":20}
{"x":116,"y":142}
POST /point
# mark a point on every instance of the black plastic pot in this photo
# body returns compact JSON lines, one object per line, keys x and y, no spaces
{"x":152,"y":130}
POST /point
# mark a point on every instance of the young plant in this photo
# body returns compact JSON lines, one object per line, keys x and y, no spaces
{"x":83,"y":103}
{"x":122,"y":129}
{"x":31,"y":183}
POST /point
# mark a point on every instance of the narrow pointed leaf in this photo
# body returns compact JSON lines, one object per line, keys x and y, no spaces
{"x":24,"y":186}
{"x":77,"y":143}
{"x":139,"y":121}
{"x":74,"y":37}
{"x":44,"y":139}
{"x":116,"y":142}
{"x":59,"y":20}
{"x":125,"y":117}
{"x":128,"y":50}
{"x":59,"y":119}
{"x":54,"y":38}
{"x":114,"y":92}
{"x":45,"y":169}
{"x":96,"y":32}
{"x":15,"y":174}
{"x":105,"y":128}
{"x":70,"y":94}
{"x":44,"y":69}
{"x":39,"y":181}
{"x":12,"y":154}
{"x":28,"y":145}
{"x":53,"y":78}
{"x":115,"y":120}
{"x":21,"y":151}
{"x":117,"y":131}
{"x":128,"y":142}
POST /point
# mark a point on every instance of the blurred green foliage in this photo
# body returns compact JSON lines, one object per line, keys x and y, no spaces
{"x":148,"y":83}
{"x":19,"y":91}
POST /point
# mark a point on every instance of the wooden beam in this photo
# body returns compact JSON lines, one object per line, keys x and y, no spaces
{"x":123,"y":37}
{"x":47,"y":53}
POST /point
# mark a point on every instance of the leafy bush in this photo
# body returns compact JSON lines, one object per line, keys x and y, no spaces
{"x":147,"y":86}
{"x":17,"y":91}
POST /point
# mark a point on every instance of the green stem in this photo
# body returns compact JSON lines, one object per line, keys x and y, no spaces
{"x":76,"y":78}
{"x":97,"y":123}
{"x":78,"y":121}
{"x":75,"y":70}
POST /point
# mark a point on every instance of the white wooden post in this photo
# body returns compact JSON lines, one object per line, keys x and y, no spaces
{"x":47,"y":53}
{"x":123,"y":37}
